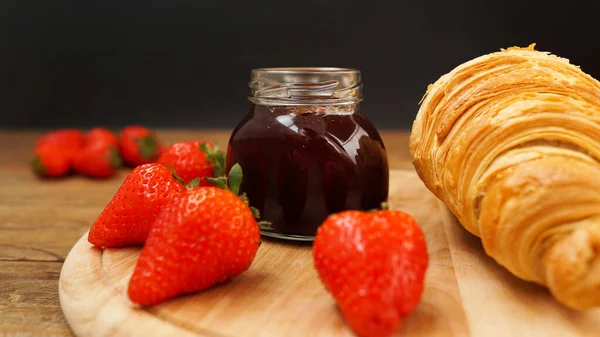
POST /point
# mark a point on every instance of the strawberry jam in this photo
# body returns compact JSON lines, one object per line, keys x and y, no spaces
{"x":302,"y":162}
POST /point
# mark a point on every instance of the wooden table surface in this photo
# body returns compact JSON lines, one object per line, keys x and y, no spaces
{"x":41,"y":220}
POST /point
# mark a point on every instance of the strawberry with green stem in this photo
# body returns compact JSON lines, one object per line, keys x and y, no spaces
{"x":98,"y":160}
{"x":100,"y":157}
{"x":50,"y":161}
{"x":195,"y":159}
{"x":54,"y":152}
{"x":139,"y":145}
{"x":202,"y":237}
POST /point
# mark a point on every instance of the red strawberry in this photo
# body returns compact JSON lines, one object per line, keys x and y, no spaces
{"x":127,"y":219}
{"x":373,"y":264}
{"x":50,"y":161}
{"x":204,"y":236}
{"x":102,"y":135}
{"x":195,"y":159}
{"x":63,"y":137}
{"x":139,"y":145}
{"x":69,"y":141}
{"x":98,"y":160}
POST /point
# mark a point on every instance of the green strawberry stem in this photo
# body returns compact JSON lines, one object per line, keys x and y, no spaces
{"x":36,"y":164}
{"x":215,"y":157}
{"x":191,"y":184}
{"x":115,"y":158}
{"x":235,"y":179}
{"x":148,"y":146}
{"x":232,"y":183}
{"x":383,"y":207}
{"x":221,"y":182}
{"x":265,"y":225}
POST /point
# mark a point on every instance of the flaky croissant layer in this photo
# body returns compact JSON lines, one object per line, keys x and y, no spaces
{"x":510,"y":142}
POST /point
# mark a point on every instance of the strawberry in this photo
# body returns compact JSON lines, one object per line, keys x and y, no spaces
{"x":50,"y":161}
{"x":139,"y":145}
{"x":102,"y":135}
{"x":127,"y":219}
{"x":68,"y":138}
{"x":195,"y":159}
{"x":68,"y":141}
{"x":98,"y":160}
{"x":373,"y":264}
{"x":204,"y":236}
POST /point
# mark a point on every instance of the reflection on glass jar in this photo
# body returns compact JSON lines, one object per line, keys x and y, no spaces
{"x":306,"y":149}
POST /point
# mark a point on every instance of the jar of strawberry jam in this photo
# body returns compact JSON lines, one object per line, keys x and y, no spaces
{"x":306,"y":150}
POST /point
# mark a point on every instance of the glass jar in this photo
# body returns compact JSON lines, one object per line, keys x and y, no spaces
{"x":306,"y":150}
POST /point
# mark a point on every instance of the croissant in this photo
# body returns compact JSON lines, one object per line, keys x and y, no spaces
{"x":510,"y":142}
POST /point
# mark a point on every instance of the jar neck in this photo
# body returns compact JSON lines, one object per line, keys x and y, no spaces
{"x":345,"y":109}
{"x":304,"y":101}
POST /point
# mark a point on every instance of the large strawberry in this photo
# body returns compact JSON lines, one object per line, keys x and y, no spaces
{"x":139,"y":145}
{"x":373,"y":264}
{"x":194,"y":159}
{"x":204,"y":236}
{"x":127,"y":219}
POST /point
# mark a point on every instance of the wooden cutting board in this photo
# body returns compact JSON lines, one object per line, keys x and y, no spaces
{"x":466,"y":293}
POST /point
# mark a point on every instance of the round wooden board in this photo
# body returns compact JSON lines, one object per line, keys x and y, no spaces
{"x":466,"y":293}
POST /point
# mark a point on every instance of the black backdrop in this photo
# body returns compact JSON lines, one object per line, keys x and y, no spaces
{"x":186,"y":63}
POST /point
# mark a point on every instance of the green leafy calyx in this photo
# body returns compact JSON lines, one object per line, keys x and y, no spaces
{"x":383,"y":207}
{"x":147,"y":146}
{"x":220,"y":182}
{"x":215,"y":157}
{"x":194,"y":183}
{"x":37,"y":166}
{"x":232,"y":183}
{"x":115,"y":158}
{"x":235,"y":179}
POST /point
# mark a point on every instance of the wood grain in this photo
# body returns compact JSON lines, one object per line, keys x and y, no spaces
{"x":28,"y":294}
{"x":41,"y":220}
{"x":499,"y":304}
{"x":280,"y":295}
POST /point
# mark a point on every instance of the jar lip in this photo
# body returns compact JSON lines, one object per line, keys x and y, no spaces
{"x":306,"y":70}
{"x":319,"y":84}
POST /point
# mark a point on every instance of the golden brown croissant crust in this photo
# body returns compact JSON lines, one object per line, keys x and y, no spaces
{"x":510,"y":142}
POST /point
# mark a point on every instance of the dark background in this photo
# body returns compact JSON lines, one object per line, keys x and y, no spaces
{"x":187,"y":63}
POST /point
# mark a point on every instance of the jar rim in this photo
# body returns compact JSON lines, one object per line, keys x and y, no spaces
{"x":307,"y":70}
